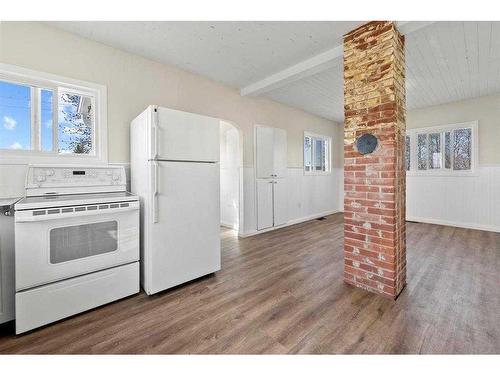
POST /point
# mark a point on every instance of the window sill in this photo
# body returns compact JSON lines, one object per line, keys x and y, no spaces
{"x":473,"y":173}
{"x":34,"y":157}
{"x":317,"y":173}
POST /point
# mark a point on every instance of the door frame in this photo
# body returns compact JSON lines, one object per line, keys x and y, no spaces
{"x":240,"y":174}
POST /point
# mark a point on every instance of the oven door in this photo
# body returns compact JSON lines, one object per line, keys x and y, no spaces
{"x":58,"y":243}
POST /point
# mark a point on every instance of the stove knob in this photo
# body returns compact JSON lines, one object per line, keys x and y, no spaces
{"x":40,"y":178}
{"x":49,"y":172}
{"x":116,"y":178}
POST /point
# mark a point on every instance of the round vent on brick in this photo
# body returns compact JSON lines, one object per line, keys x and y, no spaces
{"x":366,"y":144}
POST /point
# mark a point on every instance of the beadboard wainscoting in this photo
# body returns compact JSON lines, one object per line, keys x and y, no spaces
{"x":308,"y":196}
{"x":467,"y":202}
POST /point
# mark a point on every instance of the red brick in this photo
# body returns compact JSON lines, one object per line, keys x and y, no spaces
{"x":374,"y":212}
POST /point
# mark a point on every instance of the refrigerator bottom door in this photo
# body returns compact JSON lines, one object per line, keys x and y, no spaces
{"x":184,"y":238}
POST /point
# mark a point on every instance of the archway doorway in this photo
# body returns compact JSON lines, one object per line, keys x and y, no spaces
{"x":230,"y":176}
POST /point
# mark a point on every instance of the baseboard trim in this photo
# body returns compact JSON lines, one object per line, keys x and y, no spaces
{"x":229,"y":225}
{"x":311,"y":217}
{"x":488,"y":228}
{"x":289,"y":223}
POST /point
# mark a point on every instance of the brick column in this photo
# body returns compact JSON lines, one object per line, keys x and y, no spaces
{"x":374,"y":183}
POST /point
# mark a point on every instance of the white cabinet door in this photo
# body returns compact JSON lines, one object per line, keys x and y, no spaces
{"x":264,"y":203}
{"x":7,"y":287}
{"x":279,"y":153}
{"x":271,"y":171}
{"x":280,"y":202}
{"x":264,"y":148}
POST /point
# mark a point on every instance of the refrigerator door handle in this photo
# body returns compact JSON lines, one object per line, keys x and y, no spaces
{"x":155,"y":137}
{"x":155,"y":134}
{"x":154,"y":184}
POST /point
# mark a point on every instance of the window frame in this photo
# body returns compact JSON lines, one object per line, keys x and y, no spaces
{"x":441,"y":129}
{"x":315,"y":172}
{"x":39,"y":81}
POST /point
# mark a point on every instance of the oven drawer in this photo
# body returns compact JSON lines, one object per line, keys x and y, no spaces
{"x":39,"y":306}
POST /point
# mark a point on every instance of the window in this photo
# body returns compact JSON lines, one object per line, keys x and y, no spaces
{"x":44,"y":117}
{"x":316,"y":153}
{"x":462,"y":149}
{"x":448,"y":149}
{"x":407,"y":152}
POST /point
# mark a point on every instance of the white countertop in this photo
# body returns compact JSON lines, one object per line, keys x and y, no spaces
{"x":8,"y":201}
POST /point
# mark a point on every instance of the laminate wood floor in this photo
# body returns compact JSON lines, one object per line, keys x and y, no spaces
{"x":282,"y":292}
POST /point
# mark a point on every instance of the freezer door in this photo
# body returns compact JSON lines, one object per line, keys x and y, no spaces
{"x":178,"y":135}
{"x":184,"y":238}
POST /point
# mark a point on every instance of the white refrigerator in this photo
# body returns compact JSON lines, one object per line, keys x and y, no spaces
{"x":175,"y":172}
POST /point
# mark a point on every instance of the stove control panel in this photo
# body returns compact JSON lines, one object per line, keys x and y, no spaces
{"x":67,"y":179}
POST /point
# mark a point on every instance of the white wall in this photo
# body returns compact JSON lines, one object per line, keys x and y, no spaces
{"x":230,"y":167}
{"x":134,"y":82}
{"x":472,"y":201}
{"x":485,"y":109}
{"x":468,"y":202}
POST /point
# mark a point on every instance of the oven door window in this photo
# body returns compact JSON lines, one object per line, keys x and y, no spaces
{"x":83,"y":241}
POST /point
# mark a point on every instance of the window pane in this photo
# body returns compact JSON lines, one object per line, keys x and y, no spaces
{"x":447,"y":150}
{"x":407,"y":152}
{"x":319,"y":157}
{"x":307,"y":154}
{"x":46,"y":119}
{"x":15,"y":116}
{"x":75,"y":123}
{"x":422,"y":151}
{"x":435,"y":151}
{"x":462,"y":149}
{"x":326,"y":155}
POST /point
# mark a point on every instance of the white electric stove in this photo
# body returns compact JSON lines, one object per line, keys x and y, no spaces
{"x":76,"y":240}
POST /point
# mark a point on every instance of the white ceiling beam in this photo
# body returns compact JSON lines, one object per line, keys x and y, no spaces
{"x":295,"y":72}
{"x":315,"y":64}
{"x":408,"y":27}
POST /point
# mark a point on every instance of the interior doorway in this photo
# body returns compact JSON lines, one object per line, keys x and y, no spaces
{"x":230,"y":170}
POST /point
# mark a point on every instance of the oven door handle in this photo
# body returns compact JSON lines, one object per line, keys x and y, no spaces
{"x":21,"y":217}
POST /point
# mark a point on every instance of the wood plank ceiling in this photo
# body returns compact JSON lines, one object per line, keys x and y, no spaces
{"x":446,"y":61}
